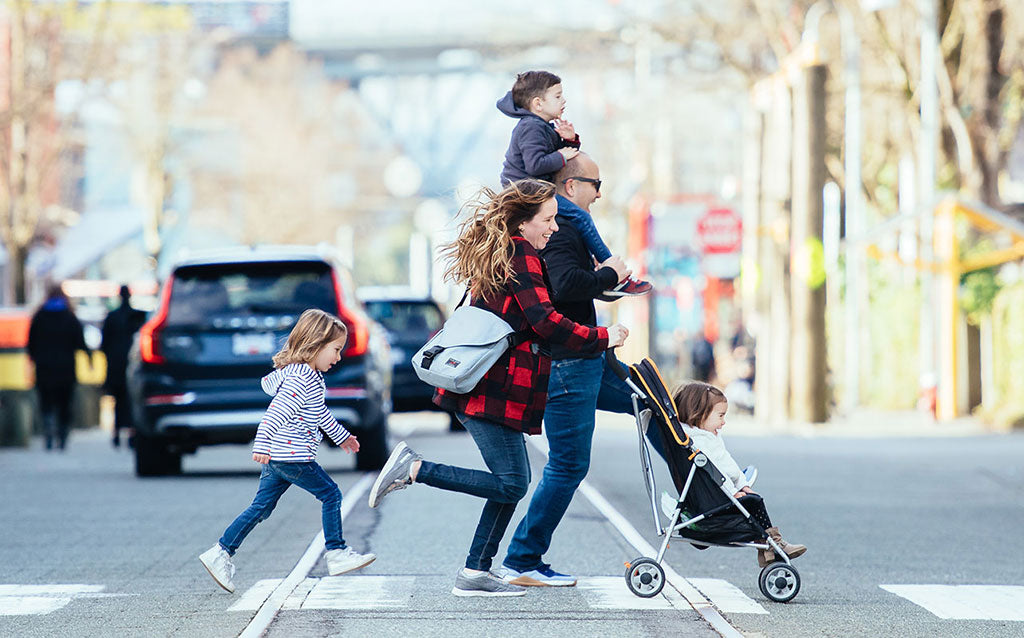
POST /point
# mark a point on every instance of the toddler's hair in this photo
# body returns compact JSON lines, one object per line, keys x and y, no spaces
{"x":530,"y":85}
{"x":314,"y":329}
{"x":695,"y":400}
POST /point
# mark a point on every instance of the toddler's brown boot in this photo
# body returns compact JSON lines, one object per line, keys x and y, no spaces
{"x":791,"y":549}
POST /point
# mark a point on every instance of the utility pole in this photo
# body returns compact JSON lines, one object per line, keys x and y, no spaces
{"x":807,"y":346}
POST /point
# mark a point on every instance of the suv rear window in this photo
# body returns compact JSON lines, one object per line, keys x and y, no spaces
{"x":403,"y":316}
{"x":203,"y":293}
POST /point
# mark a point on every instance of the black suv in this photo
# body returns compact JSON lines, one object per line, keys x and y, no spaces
{"x":195,"y":368}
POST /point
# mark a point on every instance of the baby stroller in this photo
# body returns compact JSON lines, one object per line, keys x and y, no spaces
{"x":706,"y":514}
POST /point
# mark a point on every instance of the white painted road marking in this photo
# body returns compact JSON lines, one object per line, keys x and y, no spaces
{"x":610,"y":592}
{"x":360,"y":592}
{"x":726,"y":596}
{"x":28,"y":600}
{"x":965,"y":602}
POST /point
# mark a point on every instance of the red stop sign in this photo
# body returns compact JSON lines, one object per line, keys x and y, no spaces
{"x":720,"y":231}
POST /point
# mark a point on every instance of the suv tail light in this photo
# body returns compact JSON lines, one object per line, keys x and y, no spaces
{"x":149,"y":333}
{"x":358,"y":328}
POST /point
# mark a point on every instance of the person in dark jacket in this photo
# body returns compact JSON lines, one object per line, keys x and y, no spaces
{"x":119,"y":330}
{"x":53,"y":337}
{"x":496,"y":256}
{"x":581,"y":382}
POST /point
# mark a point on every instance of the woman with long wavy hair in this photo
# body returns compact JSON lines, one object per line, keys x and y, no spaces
{"x":496,"y":257}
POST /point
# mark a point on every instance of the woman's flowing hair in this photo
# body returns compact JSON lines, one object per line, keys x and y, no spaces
{"x":314,"y":329}
{"x":481,"y":257}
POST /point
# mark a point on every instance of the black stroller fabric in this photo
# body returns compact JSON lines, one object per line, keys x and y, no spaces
{"x":725,"y":524}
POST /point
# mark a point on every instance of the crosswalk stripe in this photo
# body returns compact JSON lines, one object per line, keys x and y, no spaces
{"x":362,"y":592}
{"x":30,"y":600}
{"x":726,"y":596}
{"x":610,"y":592}
{"x":255,"y":595}
{"x":965,"y":602}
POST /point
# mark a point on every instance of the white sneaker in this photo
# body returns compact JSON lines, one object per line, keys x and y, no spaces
{"x":341,"y":561}
{"x":217,"y":561}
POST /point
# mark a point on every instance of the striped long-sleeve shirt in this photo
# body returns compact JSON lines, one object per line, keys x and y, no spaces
{"x":290,"y":429}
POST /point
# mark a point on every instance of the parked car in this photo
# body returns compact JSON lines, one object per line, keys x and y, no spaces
{"x":410,"y":320}
{"x":194,"y":370}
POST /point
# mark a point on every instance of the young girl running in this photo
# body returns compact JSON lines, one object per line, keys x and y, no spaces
{"x":705,"y":405}
{"x":286,"y":444}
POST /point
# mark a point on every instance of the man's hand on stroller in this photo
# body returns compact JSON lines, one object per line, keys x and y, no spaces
{"x":744,"y":491}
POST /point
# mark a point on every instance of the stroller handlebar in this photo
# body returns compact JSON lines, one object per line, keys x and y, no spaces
{"x":616,"y":366}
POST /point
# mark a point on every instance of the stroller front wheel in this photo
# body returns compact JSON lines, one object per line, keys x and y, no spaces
{"x":645,"y":577}
{"x":779,"y":582}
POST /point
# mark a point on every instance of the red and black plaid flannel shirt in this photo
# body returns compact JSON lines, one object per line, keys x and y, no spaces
{"x":515,"y":390}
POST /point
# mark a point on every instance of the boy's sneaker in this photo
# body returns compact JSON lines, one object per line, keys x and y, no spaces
{"x":217,"y":561}
{"x":341,"y":561}
{"x":541,"y":577}
{"x":485,"y":584}
{"x":395,"y":473}
{"x":630,"y":286}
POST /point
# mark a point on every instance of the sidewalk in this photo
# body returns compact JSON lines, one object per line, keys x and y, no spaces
{"x":860,"y":424}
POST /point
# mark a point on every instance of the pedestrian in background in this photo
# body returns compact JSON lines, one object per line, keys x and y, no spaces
{"x":54,"y":335}
{"x":496,"y":256}
{"x":286,"y":445}
{"x":702,"y":358}
{"x":119,"y":329}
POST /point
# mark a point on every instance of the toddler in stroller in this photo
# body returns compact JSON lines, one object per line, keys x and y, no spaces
{"x":715,"y":506}
{"x":705,"y":405}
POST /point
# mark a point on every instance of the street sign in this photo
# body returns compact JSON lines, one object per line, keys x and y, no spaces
{"x":720,"y":231}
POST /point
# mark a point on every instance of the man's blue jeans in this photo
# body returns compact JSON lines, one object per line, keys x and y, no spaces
{"x":278,"y":476}
{"x":504,"y":451}
{"x":576,"y":389}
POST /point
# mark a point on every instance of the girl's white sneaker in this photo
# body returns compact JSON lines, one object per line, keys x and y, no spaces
{"x":217,"y":561}
{"x":341,"y":561}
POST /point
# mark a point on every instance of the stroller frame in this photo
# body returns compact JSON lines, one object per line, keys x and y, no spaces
{"x":779,"y":581}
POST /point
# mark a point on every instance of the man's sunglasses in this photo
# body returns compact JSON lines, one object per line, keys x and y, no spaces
{"x":595,"y":182}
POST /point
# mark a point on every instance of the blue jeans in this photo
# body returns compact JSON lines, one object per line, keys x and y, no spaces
{"x":576,"y":389}
{"x":504,"y":451}
{"x":588,"y":232}
{"x":278,"y":476}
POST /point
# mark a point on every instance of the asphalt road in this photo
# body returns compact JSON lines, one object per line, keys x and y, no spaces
{"x":88,"y":549}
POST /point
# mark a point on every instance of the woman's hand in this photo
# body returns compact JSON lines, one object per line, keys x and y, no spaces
{"x":262,"y":459}
{"x":617,"y":335}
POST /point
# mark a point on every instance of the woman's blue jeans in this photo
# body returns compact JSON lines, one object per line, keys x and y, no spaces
{"x":278,"y":476}
{"x":504,"y":452}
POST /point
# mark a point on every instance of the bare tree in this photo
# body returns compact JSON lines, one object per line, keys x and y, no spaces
{"x":303,"y":156}
{"x":48,"y":44}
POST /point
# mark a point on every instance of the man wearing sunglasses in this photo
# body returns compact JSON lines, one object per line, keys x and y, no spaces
{"x":578,"y":385}
{"x":586,"y":187}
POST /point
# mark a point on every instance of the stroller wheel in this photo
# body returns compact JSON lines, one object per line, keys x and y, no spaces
{"x":779,"y":582}
{"x":645,"y":577}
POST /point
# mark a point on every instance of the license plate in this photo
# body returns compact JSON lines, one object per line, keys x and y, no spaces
{"x":252,"y":343}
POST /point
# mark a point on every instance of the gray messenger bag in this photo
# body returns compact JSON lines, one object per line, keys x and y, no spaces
{"x":469,"y":343}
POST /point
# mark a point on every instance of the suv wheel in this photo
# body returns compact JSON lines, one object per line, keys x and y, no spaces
{"x":153,"y":458}
{"x":373,"y":447}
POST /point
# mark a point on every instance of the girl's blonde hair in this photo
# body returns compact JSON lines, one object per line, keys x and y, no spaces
{"x":695,"y":400}
{"x":314,"y":329}
{"x":481,"y":257}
